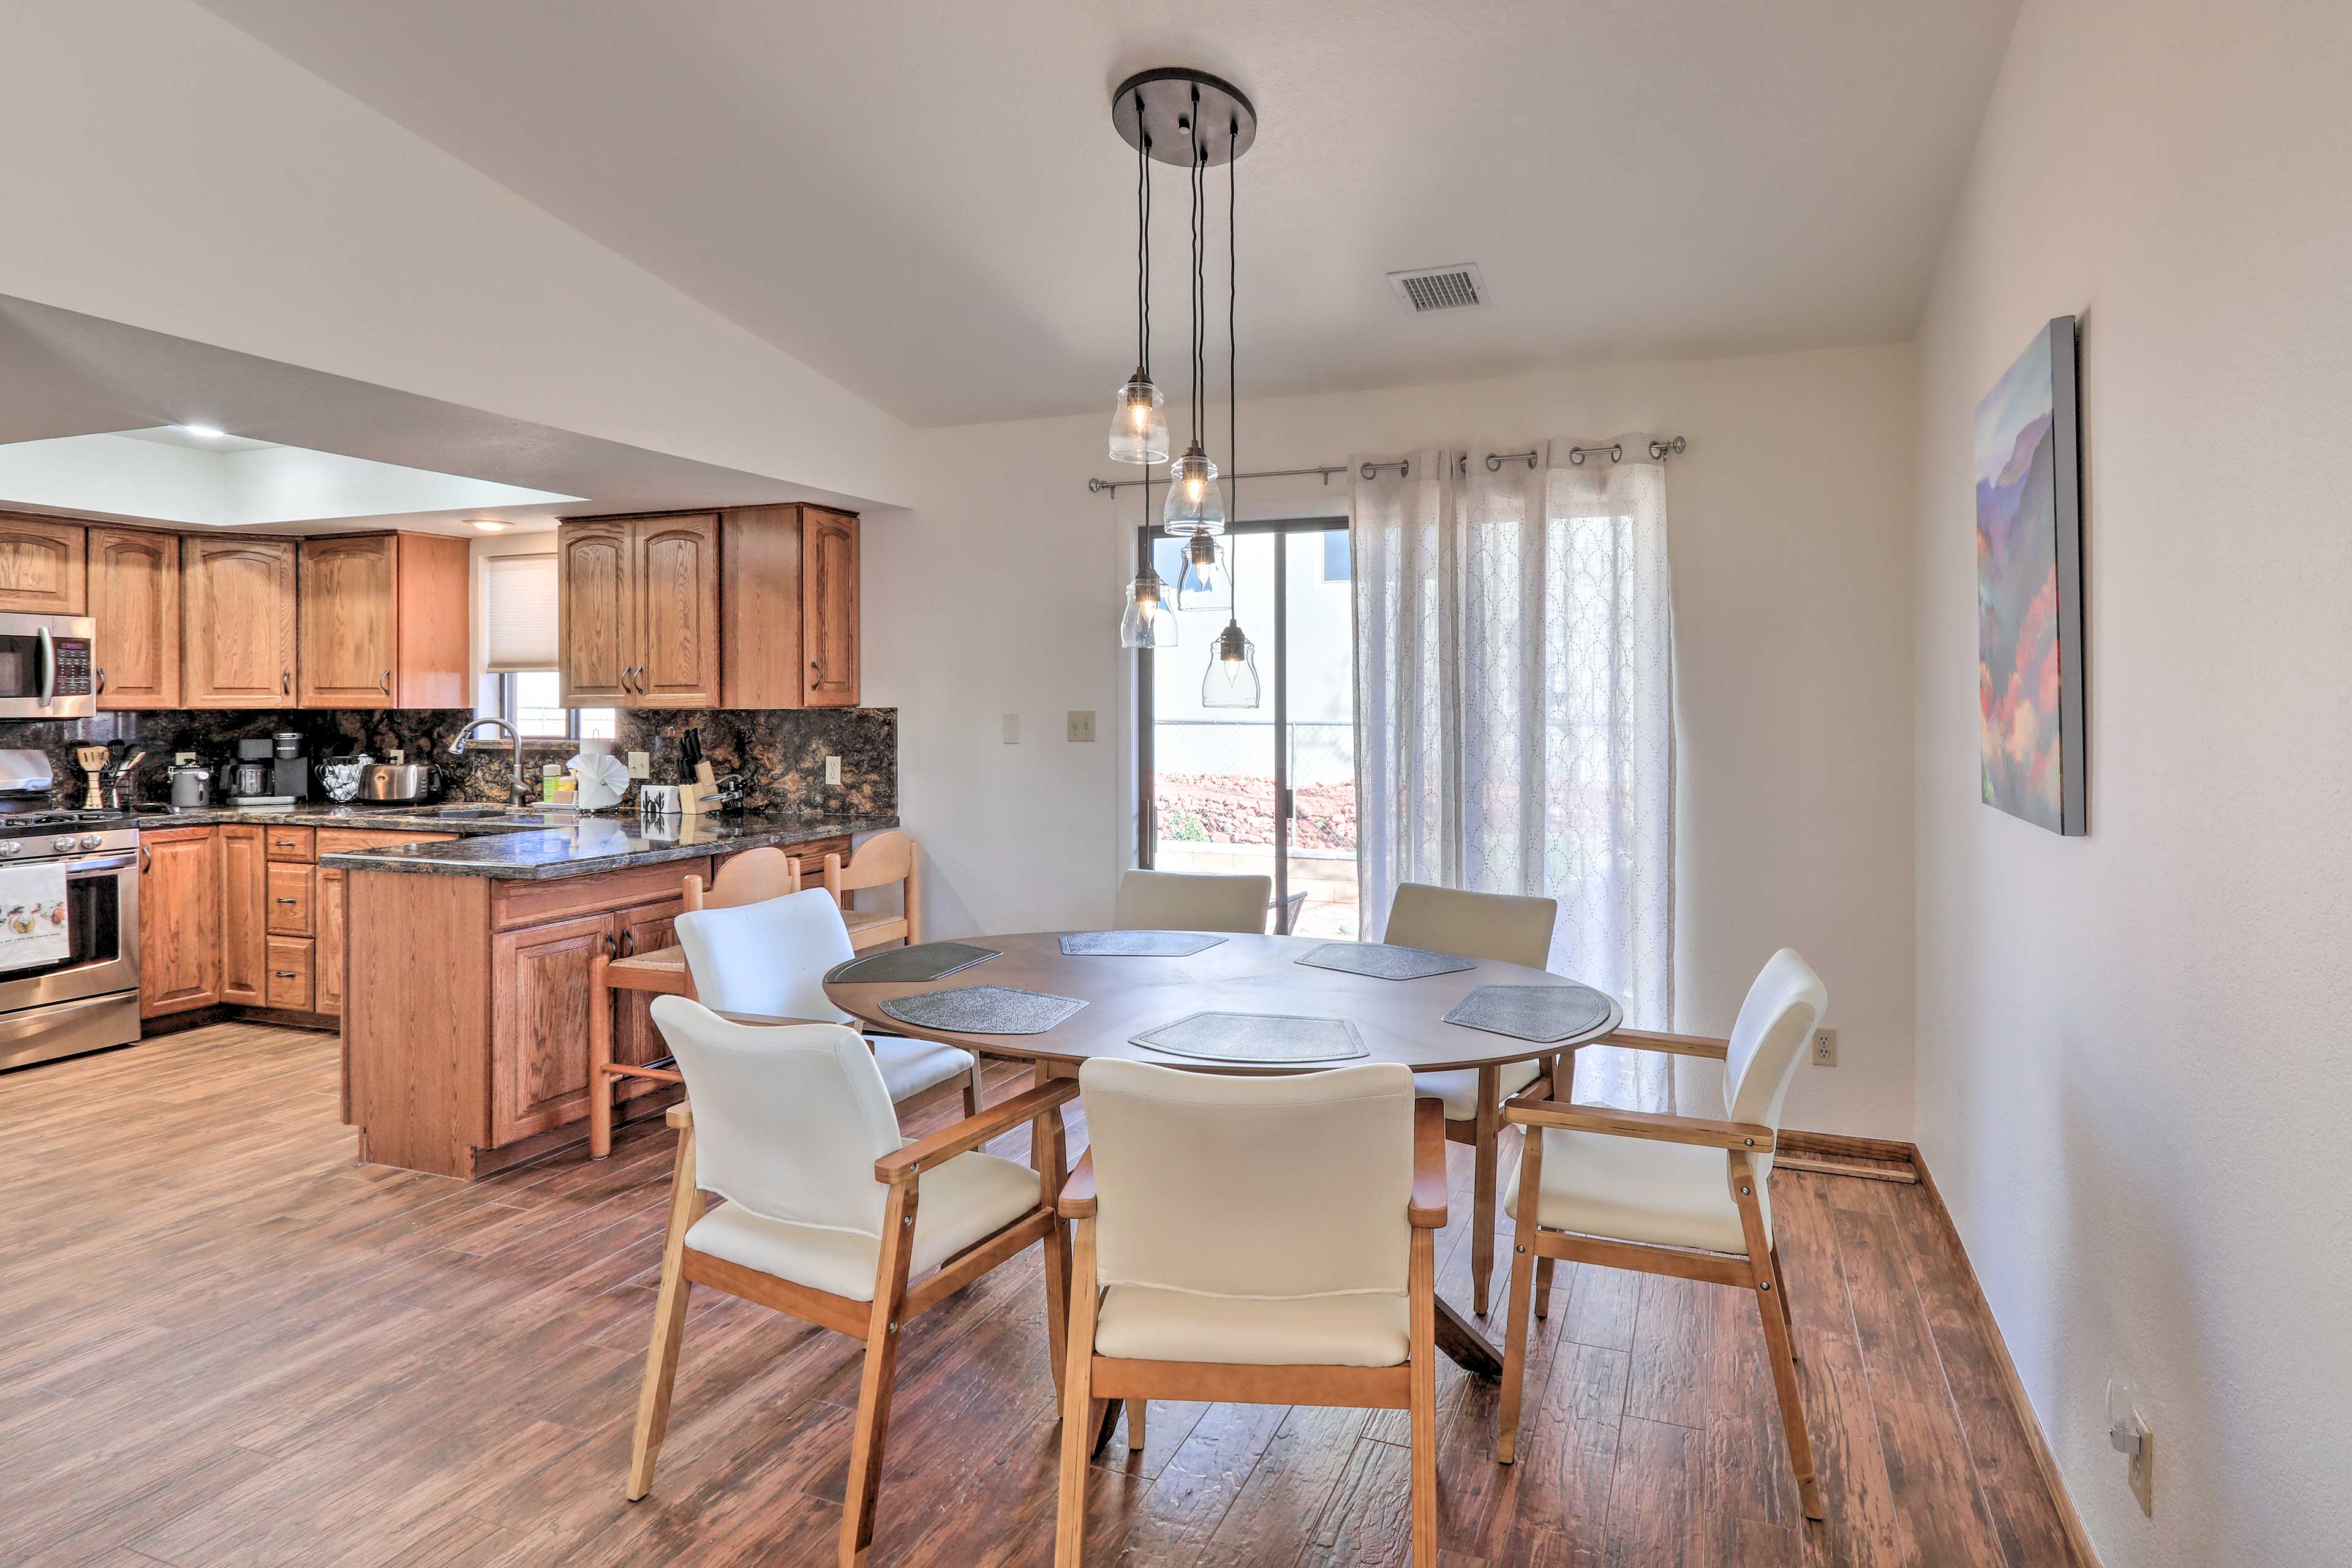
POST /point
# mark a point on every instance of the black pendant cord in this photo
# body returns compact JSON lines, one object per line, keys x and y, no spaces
{"x":1142,"y":243}
{"x":1233,"y":352}
{"x":1200,"y":301}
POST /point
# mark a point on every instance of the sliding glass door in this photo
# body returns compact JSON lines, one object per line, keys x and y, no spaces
{"x":1268,"y":790}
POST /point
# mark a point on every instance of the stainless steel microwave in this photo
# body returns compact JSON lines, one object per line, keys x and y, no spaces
{"x":46,"y":666}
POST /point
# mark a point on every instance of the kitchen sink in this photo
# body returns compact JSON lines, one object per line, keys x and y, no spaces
{"x":468,"y":810}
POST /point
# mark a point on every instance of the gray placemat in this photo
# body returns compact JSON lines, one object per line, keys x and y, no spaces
{"x":1263,"y":1038}
{"x":1384,"y":962}
{"x":1545,"y":1014}
{"x":984,"y":1010}
{"x":904,"y":965}
{"x":1137,"y":944}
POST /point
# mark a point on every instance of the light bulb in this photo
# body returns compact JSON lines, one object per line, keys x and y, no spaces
{"x":1205,"y":582}
{"x":1139,"y":424}
{"x":1195,"y":504}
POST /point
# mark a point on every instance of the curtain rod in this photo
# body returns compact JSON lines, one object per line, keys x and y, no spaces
{"x":1615,"y":452}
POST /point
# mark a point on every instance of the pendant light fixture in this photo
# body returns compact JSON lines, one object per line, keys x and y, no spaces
{"x":1147,"y":620}
{"x":1139,"y":417}
{"x":1195,"y":504}
{"x":1205,"y":582}
{"x":1230,"y":679}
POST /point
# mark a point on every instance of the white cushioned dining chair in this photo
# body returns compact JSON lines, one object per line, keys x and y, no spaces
{"x":831,"y":1216}
{"x":1177,"y":901}
{"x":770,"y":959}
{"x":1684,"y":1195}
{"x":1255,"y":1241}
{"x":1509,"y":928}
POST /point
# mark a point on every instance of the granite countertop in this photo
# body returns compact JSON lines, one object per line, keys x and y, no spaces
{"x":406,"y":819}
{"x":508,"y":851}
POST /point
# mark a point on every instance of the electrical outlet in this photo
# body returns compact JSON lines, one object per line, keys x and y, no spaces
{"x":833,"y":771}
{"x":641,"y":767}
{"x":1082,"y":724}
{"x":1825,"y":1047}
{"x":2129,"y":1433}
{"x":1012,"y":729}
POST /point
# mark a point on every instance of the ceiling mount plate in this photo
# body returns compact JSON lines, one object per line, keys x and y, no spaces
{"x":1155,"y":109}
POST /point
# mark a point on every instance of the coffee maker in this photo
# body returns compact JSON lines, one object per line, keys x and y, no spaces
{"x":289,"y":767}
{"x":249,"y":776}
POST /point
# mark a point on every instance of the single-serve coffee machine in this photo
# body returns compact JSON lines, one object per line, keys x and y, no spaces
{"x":291,"y":770}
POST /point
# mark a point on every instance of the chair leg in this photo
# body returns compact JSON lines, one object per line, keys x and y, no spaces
{"x":1052,"y":1153}
{"x":599,"y":1056}
{"x":1135,"y":1413}
{"x":1422,"y":1287}
{"x":1077,"y":1407}
{"x":1779,"y":1340}
{"x":1482,"y":1207}
{"x":669,"y":1322}
{"x":1788,"y":1314}
{"x":1523,"y":1272}
{"x":971,"y":1090}
{"x":1543,"y":1286}
{"x":871,"y":1435}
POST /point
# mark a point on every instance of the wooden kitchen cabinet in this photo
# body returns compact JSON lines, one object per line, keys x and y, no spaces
{"x":327,"y":919}
{"x":383,"y":621}
{"x":539,"y":999}
{"x":43,"y":568}
{"x":179,"y":921}
{"x":243,"y":920}
{"x":134,"y":597}
{"x":289,"y":888}
{"x":754,"y":607}
{"x":829,"y":607}
{"x":237,"y":621}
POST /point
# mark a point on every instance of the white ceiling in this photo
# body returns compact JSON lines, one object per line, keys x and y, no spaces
{"x":924,"y":200}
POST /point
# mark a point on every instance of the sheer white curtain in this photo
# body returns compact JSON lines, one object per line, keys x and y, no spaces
{"x":1515,"y":708}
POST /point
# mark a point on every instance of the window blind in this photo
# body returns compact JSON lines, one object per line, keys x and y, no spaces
{"x":519,"y":604}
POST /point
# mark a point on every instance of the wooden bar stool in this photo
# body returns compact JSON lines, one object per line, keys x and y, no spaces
{"x":748,"y":879}
{"x":882,"y":859}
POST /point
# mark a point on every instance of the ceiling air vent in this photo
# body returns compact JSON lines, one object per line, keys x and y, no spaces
{"x":1457,"y":288}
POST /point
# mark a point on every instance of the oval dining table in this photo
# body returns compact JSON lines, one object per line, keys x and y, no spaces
{"x":1400,"y":1021}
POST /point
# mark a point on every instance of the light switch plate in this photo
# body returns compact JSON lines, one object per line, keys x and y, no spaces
{"x":641,"y":767}
{"x":833,"y":770}
{"x":1082,"y":724}
{"x":1012,"y":729}
{"x":398,"y":757}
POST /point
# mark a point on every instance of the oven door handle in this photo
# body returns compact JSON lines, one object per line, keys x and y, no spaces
{"x":48,"y":689}
{"x":92,"y":865}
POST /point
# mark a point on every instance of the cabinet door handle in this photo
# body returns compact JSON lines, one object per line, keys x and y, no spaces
{"x":146,"y":858}
{"x":288,"y":901}
{"x":101,"y":680}
{"x":285,"y":683}
{"x":285,"y":973}
{"x":387,"y":683}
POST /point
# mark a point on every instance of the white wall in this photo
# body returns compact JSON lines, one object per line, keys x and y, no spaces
{"x":1790,"y":535}
{"x":2132,"y":1069}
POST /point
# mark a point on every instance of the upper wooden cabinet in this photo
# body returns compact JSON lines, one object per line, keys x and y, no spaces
{"x":383,"y":621}
{"x":42,"y":566}
{"x":134,"y":597}
{"x":755,"y":608}
{"x":238,"y":595}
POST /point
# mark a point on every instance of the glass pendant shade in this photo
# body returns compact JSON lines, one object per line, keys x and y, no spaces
{"x":1147,"y":621}
{"x":1195,"y":504}
{"x":1205,"y":582}
{"x":1139,"y":422}
{"x":1232,"y":678}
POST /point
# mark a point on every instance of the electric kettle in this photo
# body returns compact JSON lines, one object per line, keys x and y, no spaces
{"x":189,"y":785}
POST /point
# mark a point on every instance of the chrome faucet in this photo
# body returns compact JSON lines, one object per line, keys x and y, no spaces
{"x":517,"y":795}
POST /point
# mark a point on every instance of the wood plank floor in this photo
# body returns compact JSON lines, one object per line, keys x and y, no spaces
{"x":224,"y":1343}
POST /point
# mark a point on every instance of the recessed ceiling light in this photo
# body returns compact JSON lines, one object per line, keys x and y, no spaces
{"x":209,"y":433}
{"x":488,"y":524}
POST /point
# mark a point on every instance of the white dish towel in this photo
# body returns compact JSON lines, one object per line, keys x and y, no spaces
{"x":33,"y":915}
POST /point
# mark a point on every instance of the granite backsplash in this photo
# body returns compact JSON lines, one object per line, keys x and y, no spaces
{"x":780,"y":753}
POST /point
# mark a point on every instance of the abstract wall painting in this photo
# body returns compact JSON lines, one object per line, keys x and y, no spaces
{"x":2030,"y":587}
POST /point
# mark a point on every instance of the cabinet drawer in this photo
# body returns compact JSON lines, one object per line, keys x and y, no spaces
{"x":288,"y":887}
{"x":288,"y":973}
{"x":289,"y":843}
{"x":340,"y":840}
{"x":529,"y":903}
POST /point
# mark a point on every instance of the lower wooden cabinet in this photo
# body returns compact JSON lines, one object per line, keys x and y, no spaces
{"x":538,"y":1016}
{"x":244,"y":924}
{"x":287,"y":985}
{"x":179,"y":921}
{"x":326,"y":921}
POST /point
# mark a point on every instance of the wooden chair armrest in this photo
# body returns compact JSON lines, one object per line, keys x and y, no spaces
{"x":777,"y":1020}
{"x":973,"y":1131}
{"x":681,"y":1116}
{"x":1709,"y":1133}
{"x":1078,"y":1191}
{"x":1674,"y":1045}
{"x":1427,"y":1208}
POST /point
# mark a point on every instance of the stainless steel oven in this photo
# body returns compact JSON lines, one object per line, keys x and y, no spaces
{"x":44,"y":666}
{"x":88,"y":999}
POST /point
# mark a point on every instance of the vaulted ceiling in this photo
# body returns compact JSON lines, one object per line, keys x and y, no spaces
{"x":924,"y":200}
